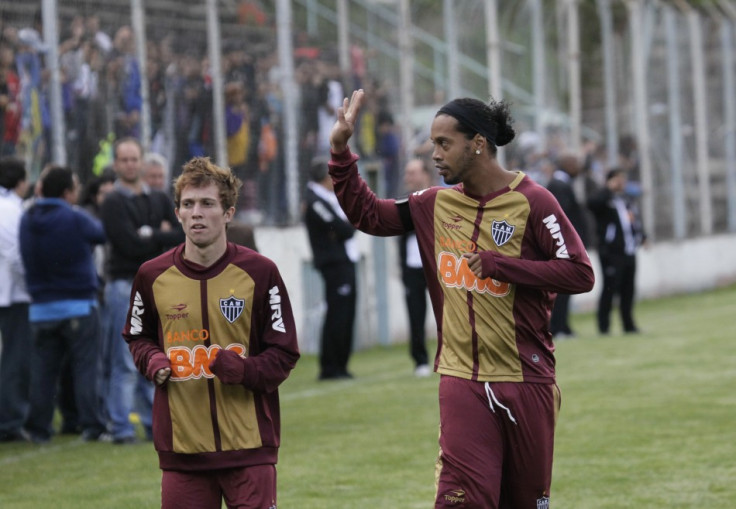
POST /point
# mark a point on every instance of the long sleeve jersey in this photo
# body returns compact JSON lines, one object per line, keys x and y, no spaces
{"x":496,"y":328}
{"x":181,"y":314}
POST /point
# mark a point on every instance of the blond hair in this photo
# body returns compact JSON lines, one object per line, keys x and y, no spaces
{"x":201,"y":172}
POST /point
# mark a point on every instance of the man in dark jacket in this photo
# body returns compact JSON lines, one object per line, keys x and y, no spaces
{"x":140,"y":224}
{"x":56,"y":243}
{"x":416,"y":179}
{"x":561,"y":186}
{"x":619,"y":234}
{"x":335,"y":253}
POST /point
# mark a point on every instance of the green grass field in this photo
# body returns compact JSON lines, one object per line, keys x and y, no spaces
{"x":647,"y":421}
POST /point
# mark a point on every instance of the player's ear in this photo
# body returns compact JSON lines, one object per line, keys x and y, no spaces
{"x":229,"y":213}
{"x":479,"y":142}
{"x":176,"y":211}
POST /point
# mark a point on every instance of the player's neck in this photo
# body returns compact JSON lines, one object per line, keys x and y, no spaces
{"x":490,"y":180}
{"x":205,"y":255}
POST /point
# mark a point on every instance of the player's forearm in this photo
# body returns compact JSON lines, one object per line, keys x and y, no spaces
{"x":266,"y":371}
{"x":571,"y":276}
{"x":363,"y":208}
{"x":147,"y":356}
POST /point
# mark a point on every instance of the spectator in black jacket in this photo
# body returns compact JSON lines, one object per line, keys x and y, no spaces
{"x":335,"y":253}
{"x":619,"y":235}
{"x":140,"y":224}
{"x":561,"y":186}
{"x":416,"y":178}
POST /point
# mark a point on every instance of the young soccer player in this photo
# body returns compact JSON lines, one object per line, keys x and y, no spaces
{"x":210,"y":323}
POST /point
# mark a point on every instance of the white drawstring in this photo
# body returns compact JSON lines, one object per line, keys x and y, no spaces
{"x":492,"y":398}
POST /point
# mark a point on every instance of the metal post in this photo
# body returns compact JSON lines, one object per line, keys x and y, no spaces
{"x":218,"y":101}
{"x":406,"y":77}
{"x":139,"y":29}
{"x":493,"y":57}
{"x":730,"y":120}
{"x":453,"y":72}
{"x":51,"y":39}
{"x":573,"y":62}
{"x":538,"y":67}
{"x":675,"y":122}
{"x":609,"y":81}
{"x":288,"y":87}
{"x":312,"y":27}
{"x":560,"y":25}
{"x":640,"y":112}
{"x":493,"y":50}
{"x":697,"y":56}
{"x":343,"y":44}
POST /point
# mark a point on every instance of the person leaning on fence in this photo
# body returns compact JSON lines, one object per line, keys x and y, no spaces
{"x":495,"y":246}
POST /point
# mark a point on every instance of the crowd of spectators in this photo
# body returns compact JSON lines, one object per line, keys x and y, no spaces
{"x":102,"y":101}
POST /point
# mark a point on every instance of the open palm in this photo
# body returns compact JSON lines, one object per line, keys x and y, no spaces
{"x":344,"y":126}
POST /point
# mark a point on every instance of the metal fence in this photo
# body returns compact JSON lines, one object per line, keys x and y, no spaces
{"x":644,"y":84}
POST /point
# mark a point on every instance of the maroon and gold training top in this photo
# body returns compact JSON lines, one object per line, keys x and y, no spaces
{"x":181,"y":314}
{"x":493,"y":329}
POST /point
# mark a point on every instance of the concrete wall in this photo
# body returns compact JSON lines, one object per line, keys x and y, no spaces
{"x":666,"y":268}
{"x":669,"y":268}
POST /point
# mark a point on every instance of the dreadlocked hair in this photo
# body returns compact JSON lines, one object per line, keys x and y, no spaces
{"x":496,"y":115}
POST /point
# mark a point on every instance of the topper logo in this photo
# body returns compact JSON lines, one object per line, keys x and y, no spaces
{"x":455,"y":273}
{"x":194,"y":363}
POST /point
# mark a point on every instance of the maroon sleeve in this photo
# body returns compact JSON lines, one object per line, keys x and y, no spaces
{"x":141,"y":327}
{"x":278,"y":349}
{"x":553,"y":257}
{"x":364,"y":209}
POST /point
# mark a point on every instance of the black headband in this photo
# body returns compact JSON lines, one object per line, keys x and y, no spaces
{"x":466,"y":116}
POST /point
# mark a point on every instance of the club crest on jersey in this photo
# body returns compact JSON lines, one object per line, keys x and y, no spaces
{"x":543,"y":503}
{"x":231,"y":308}
{"x":501,"y":231}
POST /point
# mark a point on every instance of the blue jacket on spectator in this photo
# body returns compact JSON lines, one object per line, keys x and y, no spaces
{"x":56,"y":243}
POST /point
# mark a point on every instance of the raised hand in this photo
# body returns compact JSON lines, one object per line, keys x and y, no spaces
{"x":344,"y":126}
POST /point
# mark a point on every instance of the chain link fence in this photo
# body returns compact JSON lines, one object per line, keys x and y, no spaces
{"x":677,"y":140}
